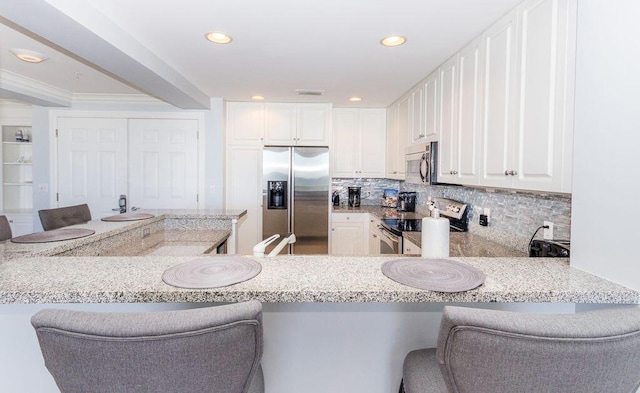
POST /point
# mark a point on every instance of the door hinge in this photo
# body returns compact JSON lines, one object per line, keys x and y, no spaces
{"x":56,"y":132}
{"x":197,"y":197}
{"x":57,"y":197}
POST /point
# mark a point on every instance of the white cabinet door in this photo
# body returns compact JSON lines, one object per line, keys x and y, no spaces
{"x":430,"y":107}
{"x":346,"y":142}
{"x":374,"y":235}
{"x":409,"y":248}
{"x":392,"y":161}
{"x":546,"y":30}
{"x":163,"y":163}
{"x":469,"y":121}
{"x":280,"y":124}
{"x":92,"y":163}
{"x":499,"y":82}
{"x":348,"y":236}
{"x":447,"y":127}
{"x":314,"y":125}
{"x":358,"y":142}
{"x":347,"y":239}
{"x":416,"y":124}
{"x":245,"y":123}
{"x":372,"y":142}
{"x":244,"y":191}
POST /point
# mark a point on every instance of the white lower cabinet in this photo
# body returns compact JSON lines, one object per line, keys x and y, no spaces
{"x":21,"y":224}
{"x":348,"y":234}
{"x":410,"y":248}
{"x":374,"y":235}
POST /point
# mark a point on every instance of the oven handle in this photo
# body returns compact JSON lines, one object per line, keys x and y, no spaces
{"x":393,"y":238}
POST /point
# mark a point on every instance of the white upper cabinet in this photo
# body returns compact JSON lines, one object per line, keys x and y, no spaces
{"x":280,"y":123}
{"x":359,"y":142}
{"x":430,"y":105}
{"x":394,"y":157}
{"x":543,"y":137}
{"x":447,"y":125}
{"x":466,"y":156}
{"x":314,"y":124}
{"x":528,"y":101}
{"x":245,"y":123}
{"x":416,"y":106}
{"x":297,"y":124}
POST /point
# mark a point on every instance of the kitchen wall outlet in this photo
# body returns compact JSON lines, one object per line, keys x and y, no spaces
{"x":43,"y":187}
{"x":146,"y":232}
{"x":548,"y":232}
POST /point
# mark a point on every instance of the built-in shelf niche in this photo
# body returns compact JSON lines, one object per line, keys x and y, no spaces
{"x":17,"y":169}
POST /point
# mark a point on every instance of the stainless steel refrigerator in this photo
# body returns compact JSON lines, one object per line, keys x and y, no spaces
{"x":295,"y":197}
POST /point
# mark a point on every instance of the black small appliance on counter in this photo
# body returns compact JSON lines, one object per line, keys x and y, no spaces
{"x":550,"y":248}
{"x":354,"y":196}
{"x":406,"y":202}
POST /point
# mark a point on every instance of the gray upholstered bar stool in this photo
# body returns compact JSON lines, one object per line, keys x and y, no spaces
{"x":64,"y":216}
{"x":5,"y":229}
{"x":214,"y":349}
{"x":486,"y":351}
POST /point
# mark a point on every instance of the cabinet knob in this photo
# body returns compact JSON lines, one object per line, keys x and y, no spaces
{"x":348,"y":218}
{"x":10,"y":220}
{"x":514,"y":173}
{"x":375,"y":235}
{"x":506,"y":173}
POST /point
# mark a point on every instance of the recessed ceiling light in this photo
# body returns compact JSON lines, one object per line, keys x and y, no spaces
{"x":355,"y":99}
{"x":393,"y":40}
{"x":218,"y":37}
{"x":29,"y":56}
{"x":257,"y":98}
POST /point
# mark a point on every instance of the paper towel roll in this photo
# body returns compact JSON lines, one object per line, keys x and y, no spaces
{"x":435,"y":237}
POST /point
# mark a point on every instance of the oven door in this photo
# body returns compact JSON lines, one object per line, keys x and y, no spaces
{"x":390,"y":243}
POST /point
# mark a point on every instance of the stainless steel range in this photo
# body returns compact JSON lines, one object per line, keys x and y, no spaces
{"x":391,"y":228}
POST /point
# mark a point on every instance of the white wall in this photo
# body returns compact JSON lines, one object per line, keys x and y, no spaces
{"x":213,"y":148}
{"x":604,"y":238}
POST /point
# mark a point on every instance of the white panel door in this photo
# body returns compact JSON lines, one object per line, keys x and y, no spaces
{"x":372,"y":152}
{"x":314,"y":125}
{"x":469,"y":125}
{"x":431,"y":106}
{"x":448,"y":147}
{"x":499,"y":43}
{"x":92,"y":163}
{"x":163,"y":163}
{"x":417,"y":118}
{"x":346,"y":142}
{"x":280,"y":124}
{"x":546,"y":29}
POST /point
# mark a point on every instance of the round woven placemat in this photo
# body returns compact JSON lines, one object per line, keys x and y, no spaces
{"x":439,"y":275}
{"x":129,"y":217}
{"x":211,"y":272}
{"x":54,"y":235}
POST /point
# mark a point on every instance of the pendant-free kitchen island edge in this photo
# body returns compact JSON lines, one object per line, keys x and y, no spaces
{"x":330,"y":323}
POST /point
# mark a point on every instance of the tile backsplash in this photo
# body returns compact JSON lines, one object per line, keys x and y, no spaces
{"x":514,"y":216}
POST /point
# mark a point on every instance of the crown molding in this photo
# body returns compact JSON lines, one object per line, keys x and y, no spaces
{"x":20,"y":87}
{"x":91,"y":98}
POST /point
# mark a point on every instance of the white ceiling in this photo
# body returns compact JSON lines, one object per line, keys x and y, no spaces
{"x":279,"y":45}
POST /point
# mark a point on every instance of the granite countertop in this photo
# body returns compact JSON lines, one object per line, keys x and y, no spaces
{"x":105,"y":230}
{"x":33,"y":278}
{"x":465,"y":244}
{"x":461,"y":244}
{"x":296,"y":279}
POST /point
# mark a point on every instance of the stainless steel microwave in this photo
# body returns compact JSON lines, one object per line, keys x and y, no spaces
{"x":421,"y":163}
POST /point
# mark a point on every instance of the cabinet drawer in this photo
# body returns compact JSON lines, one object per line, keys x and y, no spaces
{"x":348,"y":217}
{"x":409,"y":248}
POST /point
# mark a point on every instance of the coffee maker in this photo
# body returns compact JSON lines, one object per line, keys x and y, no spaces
{"x":354,"y":196}
{"x":407,"y":202}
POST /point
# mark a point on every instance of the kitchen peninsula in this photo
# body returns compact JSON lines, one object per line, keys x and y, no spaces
{"x":325,"y":313}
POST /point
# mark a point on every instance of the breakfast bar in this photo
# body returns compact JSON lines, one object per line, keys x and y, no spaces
{"x":336,"y":323}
